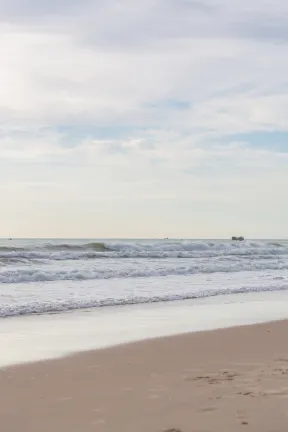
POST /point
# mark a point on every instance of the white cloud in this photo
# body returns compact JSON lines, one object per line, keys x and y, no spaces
{"x":169,"y":82}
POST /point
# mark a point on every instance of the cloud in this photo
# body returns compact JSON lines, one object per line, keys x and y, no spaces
{"x":179,"y":104}
{"x":128,"y":23}
{"x":28,"y":10}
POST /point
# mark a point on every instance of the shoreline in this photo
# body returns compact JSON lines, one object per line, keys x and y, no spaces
{"x":131,"y":344}
{"x":217,"y":380}
{"x":37,"y":338}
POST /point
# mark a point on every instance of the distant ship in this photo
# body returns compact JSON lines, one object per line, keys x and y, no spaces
{"x":237,"y":238}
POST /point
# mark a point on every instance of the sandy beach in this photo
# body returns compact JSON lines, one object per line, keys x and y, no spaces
{"x":224,"y":380}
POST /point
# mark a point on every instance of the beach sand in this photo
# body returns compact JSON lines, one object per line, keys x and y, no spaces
{"x":233,"y":379}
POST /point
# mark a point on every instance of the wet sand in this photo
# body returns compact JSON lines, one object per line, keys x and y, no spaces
{"x":232,"y":379}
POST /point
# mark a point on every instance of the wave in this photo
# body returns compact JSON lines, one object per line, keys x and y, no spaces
{"x":156,"y":249}
{"x":22,"y":275}
{"x":95,"y":246}
{"x":39,"y":307}
{"x":10,"y":249}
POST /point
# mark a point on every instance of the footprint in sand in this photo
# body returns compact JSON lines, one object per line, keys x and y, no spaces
{"x":216,"y":378}
{"x":208,"y":409}
{"x":172,"y":430}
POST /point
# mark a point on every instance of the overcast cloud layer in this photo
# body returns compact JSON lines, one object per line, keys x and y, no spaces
{"x":125,"y":119}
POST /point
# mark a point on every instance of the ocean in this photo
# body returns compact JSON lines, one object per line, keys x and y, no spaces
{"x":40,"y":276}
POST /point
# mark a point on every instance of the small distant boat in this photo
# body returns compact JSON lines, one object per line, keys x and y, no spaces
{"x":238,"y":238}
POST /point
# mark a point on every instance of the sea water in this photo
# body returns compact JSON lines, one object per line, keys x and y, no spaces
{"x":62,"y":296}
{"x":40,"y":276}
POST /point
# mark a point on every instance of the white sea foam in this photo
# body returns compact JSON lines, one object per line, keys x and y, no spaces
{"x":35,"y":274}
{"x":38,"y":297}
{"x":40,"y":276}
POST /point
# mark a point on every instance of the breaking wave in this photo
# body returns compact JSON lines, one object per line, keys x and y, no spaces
{"x":39,"y":307}
{"x":38,"y":276}
{"x":160,"y":249}
{"x":35,"y":274}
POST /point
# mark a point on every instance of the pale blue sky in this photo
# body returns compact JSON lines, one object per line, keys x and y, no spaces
{"x":143,"y":119}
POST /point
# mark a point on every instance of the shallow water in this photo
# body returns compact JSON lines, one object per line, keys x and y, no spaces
{"x":32,"y":338}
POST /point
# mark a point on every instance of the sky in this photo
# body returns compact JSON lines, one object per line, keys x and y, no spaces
{"x":132,"y":119}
